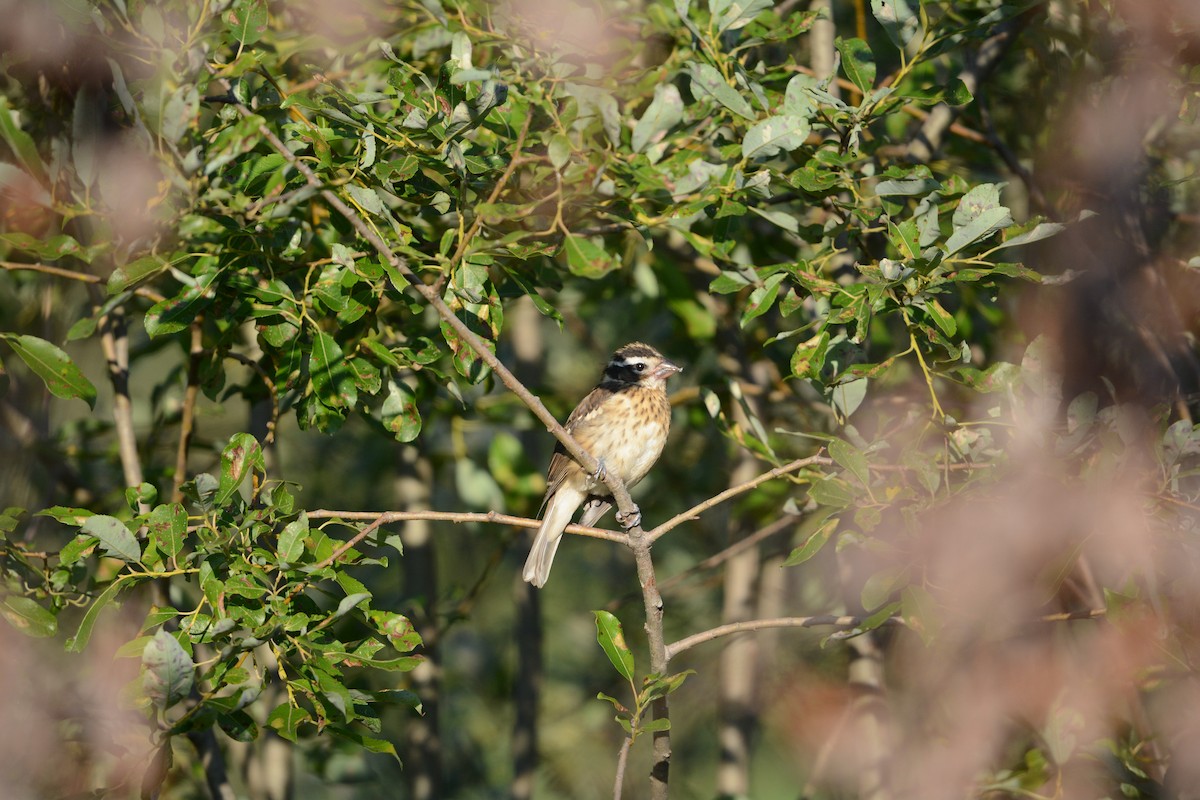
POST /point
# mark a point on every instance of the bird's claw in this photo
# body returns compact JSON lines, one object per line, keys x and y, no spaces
{"x":630,"y":520}
{"x":601,"y":471}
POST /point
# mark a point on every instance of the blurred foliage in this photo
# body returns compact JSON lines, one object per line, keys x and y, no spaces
{"x":668,"y":170}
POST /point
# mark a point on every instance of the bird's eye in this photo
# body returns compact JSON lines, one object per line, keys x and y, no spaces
{"x":640,"y":366}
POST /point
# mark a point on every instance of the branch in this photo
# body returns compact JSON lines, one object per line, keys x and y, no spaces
{"x":640,"y":541}
{"x":273,"y":422}
{"x":734,"y":491}
{"x":822,"y":620}
{"x":430,"y":294}
{"x":466,"y":516}
{"x":187,"y":417}
{"x":929,"y":139}
{"x":622,"y":759}
{"x":85,"y":277}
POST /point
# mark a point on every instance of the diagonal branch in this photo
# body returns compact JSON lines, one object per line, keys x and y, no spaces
{"x":430,"y":294}
{"x":733,"y":491}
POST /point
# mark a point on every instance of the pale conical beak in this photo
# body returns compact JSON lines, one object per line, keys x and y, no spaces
{"x":667,"y":368}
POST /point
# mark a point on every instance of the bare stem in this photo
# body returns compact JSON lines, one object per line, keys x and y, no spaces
{"x":84,"y":277}
{"x":622,"y":760}
{"x":831,"y":620}
{"x":733,"y":491}
{"x":464,"y":516}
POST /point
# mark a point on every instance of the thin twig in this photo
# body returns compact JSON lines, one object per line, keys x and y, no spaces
{"x":823,"y":620}
{"x":622,"y":759}
{"x":273,"y":422}
{"x":187,"y":418}
{"x":717,"y":559}
{"x":733,"y":491}
{"x":85,"y":277}
{"x":466,"y":516}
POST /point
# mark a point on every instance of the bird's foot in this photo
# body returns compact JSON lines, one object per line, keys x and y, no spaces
{"x":601,"y":471}
{"x":630,"y":520}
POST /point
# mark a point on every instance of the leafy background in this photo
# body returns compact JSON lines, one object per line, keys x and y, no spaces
{"x":268,"y":269}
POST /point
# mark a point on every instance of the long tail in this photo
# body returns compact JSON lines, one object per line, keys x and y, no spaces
{"x":558,"y":515}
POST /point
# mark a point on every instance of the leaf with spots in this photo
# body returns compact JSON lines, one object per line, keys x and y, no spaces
{"x":240,"y":457}
{"x":54,"y":367}
{"x":247,"y":21}
{"x":169,"y":671}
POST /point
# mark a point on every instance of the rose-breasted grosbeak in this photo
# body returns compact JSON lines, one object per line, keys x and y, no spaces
{"x":623,"y":423}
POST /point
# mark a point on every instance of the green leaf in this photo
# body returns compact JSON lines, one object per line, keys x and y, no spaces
{"x":848,"y":395}
{"x":332,"y":380}
{"x":982,"y":226}
{"x":813,"y":544}
{"x":899,"y":21}
{"x":559,"y":150}
{"x":78,"y":642}
{"x":28,"y":617}
{"x":612,"y":639}
{"x":880,"y":586}
{"x":167,"y":528}
{"x":349,"y":602}
{"x":53,"y":366}
{"x":21,"y":143}
{"x":291,"y":539}
{"x":115,"y":538}
{"x":773,"y":135}
{"x":920,"y":612}
{"x":587,"y":259}
{"x":858,"y":62}
{"x":246,"y":22}
{"x":707,"y":82}
{"x":740,"y":13}
{"x":286,"y":720}
{"x":400,"y":414}
{"x":169,"y":672}
{"x":1043,"y":230}
{"x":852,"y":459}
{"x":831,"y":492}
{"x":941,"y":317}
{"x":762,"y":298}
{"x":664,"y":112}
{"x":242,"y":456}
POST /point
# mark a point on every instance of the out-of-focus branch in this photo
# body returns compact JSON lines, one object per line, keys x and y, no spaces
{"x":622,"y":760}
{"x":85,"y":277}
{"x":273,"y":422}
{"x":740,"y":546}
{"x":831,"y":620}
{"x":187,"y":417}
{"x":929,"y":138}
{"x":734,"y":491}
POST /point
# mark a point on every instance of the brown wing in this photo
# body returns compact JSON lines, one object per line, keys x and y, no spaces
{"x":561,"y":463}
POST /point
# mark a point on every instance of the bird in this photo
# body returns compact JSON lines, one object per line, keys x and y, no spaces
{"x":623,"y":423}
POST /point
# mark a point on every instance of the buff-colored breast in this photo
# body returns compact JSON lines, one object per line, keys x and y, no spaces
{"x":629,"y":436}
